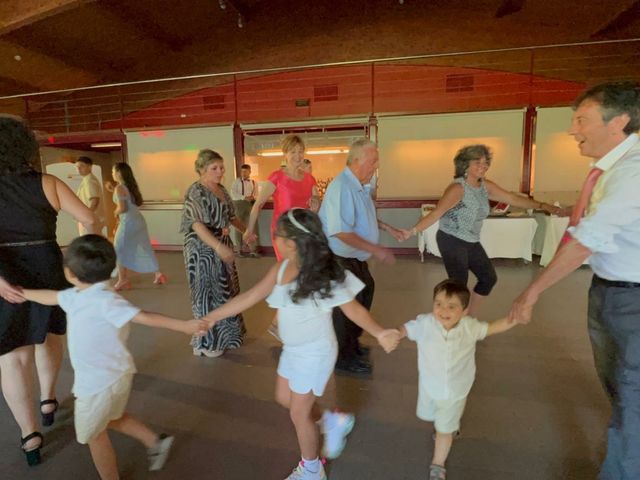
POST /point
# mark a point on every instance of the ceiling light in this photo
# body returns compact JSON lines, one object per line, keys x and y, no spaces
{"x":240,"y":21}
{"x":106,"y":144}
{"x":326,"y":151}
{"x":313,"y":151}
{"x":17,"y":58}
{"x":223,"y":4}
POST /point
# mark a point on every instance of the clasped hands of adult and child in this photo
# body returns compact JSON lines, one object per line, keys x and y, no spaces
{"x":389,"y":339}
{"x":14,"y":294}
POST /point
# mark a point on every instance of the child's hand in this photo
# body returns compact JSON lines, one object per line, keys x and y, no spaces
{"x":11,"y":293}
{"x":389,"y":339}
{"x":196,"y":327}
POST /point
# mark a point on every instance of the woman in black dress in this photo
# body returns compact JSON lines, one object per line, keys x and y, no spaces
{"x":30,"y":258}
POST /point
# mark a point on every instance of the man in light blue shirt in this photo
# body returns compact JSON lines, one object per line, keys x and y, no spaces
{"x":604,"y":124}
{"x":350,"y":222}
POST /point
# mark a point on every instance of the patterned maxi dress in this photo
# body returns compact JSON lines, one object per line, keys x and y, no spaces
{"x":212,"y":282}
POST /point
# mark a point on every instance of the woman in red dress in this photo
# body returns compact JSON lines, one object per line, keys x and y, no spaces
{"x":291,"y":187}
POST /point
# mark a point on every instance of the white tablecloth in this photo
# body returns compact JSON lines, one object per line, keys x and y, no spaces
{"x":550,"y":232}
{"x":501,"y":237}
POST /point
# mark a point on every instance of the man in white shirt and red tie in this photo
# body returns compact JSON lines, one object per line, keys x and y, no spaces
{"x":605,"y":125}
{"x":243,"y":193}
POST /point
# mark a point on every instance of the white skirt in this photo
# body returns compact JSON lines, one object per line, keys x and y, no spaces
{"x":309,"y":367}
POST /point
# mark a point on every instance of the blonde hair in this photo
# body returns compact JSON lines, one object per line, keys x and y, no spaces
{"x":292,"y":141}
{"x":205,"y":157}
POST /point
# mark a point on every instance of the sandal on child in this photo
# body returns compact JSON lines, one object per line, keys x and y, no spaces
{"x":49,"y":417}
{"x":33,"y":455}
{"x":437,"y":472}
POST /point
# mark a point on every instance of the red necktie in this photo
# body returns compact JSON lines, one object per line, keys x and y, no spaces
{"x":583,"y":201}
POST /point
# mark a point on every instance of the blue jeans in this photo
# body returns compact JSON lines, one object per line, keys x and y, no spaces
{"x":614,"y":329}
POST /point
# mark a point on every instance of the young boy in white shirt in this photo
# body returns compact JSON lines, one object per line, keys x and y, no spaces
{"x":98,"y":326}
{"x":446,"y":342}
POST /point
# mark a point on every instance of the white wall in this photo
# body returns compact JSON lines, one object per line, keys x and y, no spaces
{"x":163,"y":160}
{"x":417,"y":151}
{"x":559,"y":169}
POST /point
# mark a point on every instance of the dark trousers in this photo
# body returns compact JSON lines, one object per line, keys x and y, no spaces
{"x":614,"y":330}
{"x":348,"y":332}
{"x":459,"y":257}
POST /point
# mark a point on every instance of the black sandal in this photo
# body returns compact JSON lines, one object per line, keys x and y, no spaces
{"x":48,"y":418}
{"x":33,"y":455}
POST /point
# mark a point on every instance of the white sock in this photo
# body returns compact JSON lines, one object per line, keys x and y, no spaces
{"x":312,"y":465}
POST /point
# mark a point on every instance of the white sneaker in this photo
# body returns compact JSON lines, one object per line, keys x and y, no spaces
{"x":159,"y":453}
{"x":199,"y":352}
{"x":301,"y":473}
{"x":335,"y":427}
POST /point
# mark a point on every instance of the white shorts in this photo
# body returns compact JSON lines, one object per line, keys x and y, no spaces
{"x":445,"y":414}
{"x":94,"y":412}
{"x":307,"y":371}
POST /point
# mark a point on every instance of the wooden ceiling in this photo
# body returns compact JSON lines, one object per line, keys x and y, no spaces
{"x":59,"y":44}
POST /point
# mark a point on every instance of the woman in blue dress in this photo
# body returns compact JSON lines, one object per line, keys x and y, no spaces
{"x":131,"y":241}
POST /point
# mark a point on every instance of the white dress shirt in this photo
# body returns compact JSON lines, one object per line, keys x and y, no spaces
{"x":611,"y":226}
{"x":242,"y":188}
{"x":97,"y":330}
{"x":446,"y":358}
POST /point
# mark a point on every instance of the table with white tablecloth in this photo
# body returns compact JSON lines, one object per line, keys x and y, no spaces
{"x":501,"y":237}
{"x":547,"y":238}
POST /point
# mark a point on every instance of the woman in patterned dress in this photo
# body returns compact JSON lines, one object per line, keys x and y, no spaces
{"x":461,"y":211}
{"x":208,"y":254}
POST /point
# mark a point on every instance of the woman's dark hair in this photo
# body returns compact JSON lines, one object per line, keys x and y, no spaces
{"x":91,"y":258}
{"x":18,"y":147}
{"x":468,"y":154}
{"x":129,"y":181}
{"x":318,"y":265}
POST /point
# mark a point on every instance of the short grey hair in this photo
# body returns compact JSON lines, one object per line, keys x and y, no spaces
{"x":357,"y":147}
{"x":205,"y":157}
{"x":468,"y":154}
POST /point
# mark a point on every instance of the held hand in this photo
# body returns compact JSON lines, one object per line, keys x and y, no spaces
{"x":10,"y":293}
{"x":397,"y":233}
{"x":389,"y":339}
{"x":565,"y":211}
{"x":406,"y":234}
{"x":249,"y":198}
{"x":109,"y":187}
{"x":384,"y":255}
{"x":249,"y":237}
{"x":197,"y":328}
{"x":225,"y":253}
{"x":314,"y":204}
{"x":522,"y":307}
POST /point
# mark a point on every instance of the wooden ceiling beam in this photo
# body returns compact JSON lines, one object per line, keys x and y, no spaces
{"x":626,"y":17}
{"x":127,"y":13}
{"x":18,"y":13}
{"x":36,"y":71}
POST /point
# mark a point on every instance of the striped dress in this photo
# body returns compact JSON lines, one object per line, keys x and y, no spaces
{"x":212,"y":282}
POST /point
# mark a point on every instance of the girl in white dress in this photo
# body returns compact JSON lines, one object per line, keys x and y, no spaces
{"x":305,"y":287}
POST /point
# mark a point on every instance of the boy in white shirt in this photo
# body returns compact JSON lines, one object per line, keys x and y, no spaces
{"x":446,"y":342}
{"x":98,"y":326}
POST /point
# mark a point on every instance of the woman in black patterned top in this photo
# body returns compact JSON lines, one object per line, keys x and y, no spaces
{"x":461,"y":210}
{"x":208,"y":254}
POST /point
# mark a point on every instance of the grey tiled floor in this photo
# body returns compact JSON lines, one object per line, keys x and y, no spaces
{"x":536,"y":411}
